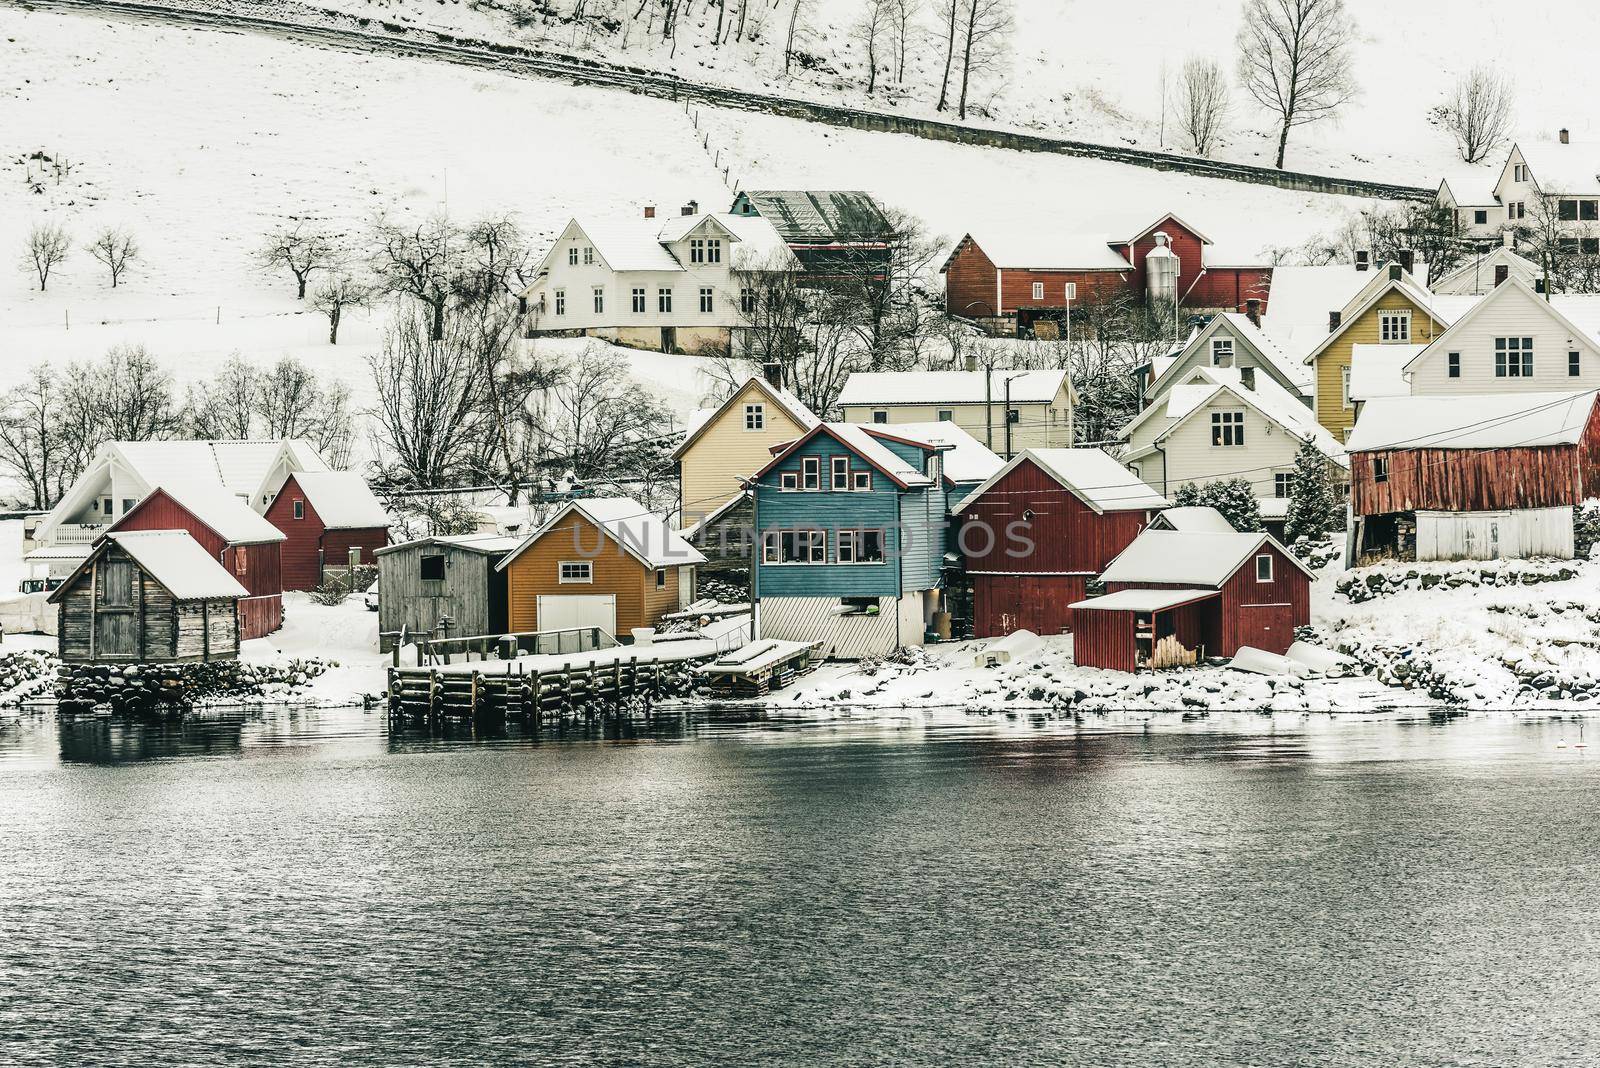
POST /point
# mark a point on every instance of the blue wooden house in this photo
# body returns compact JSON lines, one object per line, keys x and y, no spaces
{"x":853,"y":536}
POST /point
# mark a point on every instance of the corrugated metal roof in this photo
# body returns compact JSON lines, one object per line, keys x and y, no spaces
{"x":821,"y":216}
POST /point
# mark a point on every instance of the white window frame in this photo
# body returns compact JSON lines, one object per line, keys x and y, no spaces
{"x":1344,"y":389}
{"x":847,"y":546}
{"x":588,"y":255}
{"x":561,"y":302}
{"x":697,"y":250}
{"x":1038,"y":291}
{"x":755,"y":417}
{"x":1507,"y":349}
{"x":571,"y":572}
{"x":713,"y":250}
{"x":1380,"y":469}
{"x":1070,"y":291}
{"x":1452,"y":365}
{"x":816,"y":546}
{"x":661,"y":578}
{"x":947,"y":415}
{"x":880,"y":417}
{"x":299,"y":508}
{"x":572,"y":256}
{"x":1227,"y":429}
{"x":1268,"y":558}
{"x":664,"y":300}
{"x":599,"y":300}
{"x":1282,"y":484}
{"x":747,"y":300}
{"x":1221,"y":346}
{"x":861,"y":481}
{"x":839,"y":474}
{"x":811,"y":474}
{"x":788,"y":482}
{"x":708,"y":297}
{"x":640,"y":300}
{"x":1574,"y":363}
{"x":1394,"y":327}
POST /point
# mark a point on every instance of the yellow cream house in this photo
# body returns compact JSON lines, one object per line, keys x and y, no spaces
{"x":1007,"y":410}
{"x":725,"y":444}
{"x":1397,"y":312}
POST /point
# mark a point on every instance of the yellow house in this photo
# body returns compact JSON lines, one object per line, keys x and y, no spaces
{"x":1397,"y":312}
{"x":729,"y":442}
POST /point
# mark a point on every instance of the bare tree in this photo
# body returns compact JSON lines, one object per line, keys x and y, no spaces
{"x":605,"y":419}
{"x":1294,"y":59}
{"x":48,"y":244}
{"x":340,"y":290}
{"x":225,"y":406}
{"x":871,"y":30}
{"x":798,"y":11}
{"x":114,"y":249}
{"x":419,"y":260}
{"x":135,"y":401}
{"x":903,"y":31}
{"x":1202,"y":102}
{"x":498,"y":261}
{"x":31,"y":444}
{"x":302,"y":248}
{"x":428,"y":418}
{"x":986,"y":27}
{"x":1478,"y":112}
{"x":949,"y":12}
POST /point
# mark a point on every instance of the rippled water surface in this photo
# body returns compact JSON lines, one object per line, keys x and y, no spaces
{"x":308,"y":888}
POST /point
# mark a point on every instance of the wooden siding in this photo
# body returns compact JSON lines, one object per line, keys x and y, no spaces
{"x":1040,"y":425}
{"x":1260,"y":614}
{"x":1187,"y":454}
{"x":1197,"y":354}
{"x":725,"y":452}
{"x":1510,"y":312}
{"x":537,"y":571}
{"x":309,"y":542}
{"x":1335,"y":359}
{"x":1103,"y":639}
{"x":1040,"y":603}
{"x":153,"y":628}
{"x":1477,"y":480}
{"x":472,"y":591}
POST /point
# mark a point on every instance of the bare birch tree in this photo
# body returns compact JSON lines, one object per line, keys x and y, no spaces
{"x":48,"y":244}
{"x":1202,"y":102}
{"x":114,"y":249}
{"x":949,"y":12}
{"x":302,"y":248}
{"x":1478,"y":112}
{"x":1294,"y":59}
{"x":224,"y":406}
{"x":986,"y":27}
{"x":903,"y":32}
{"x":798,"y":10}
{"x":872,"y":32}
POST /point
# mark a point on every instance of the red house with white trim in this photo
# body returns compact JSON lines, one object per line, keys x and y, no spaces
{"x":246,"y":545}
{"x":326,"y":518}
{"x":1037,"y":530}
{"x":1031,"y":275}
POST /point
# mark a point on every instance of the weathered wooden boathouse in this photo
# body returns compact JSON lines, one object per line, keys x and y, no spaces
{"x":453,"y":577}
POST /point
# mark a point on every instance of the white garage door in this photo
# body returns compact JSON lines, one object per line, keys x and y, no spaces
{"x":567,"y":611}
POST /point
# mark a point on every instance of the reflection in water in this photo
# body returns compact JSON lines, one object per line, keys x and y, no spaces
{"x":1240,"y":890}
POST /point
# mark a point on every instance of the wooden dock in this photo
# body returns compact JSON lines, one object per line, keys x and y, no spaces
{"x":584,"y":691}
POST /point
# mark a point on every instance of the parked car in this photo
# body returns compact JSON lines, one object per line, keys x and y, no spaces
{"x":371,"y":596}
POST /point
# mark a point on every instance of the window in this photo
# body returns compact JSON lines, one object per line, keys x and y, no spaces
{"x":599,"y":299}
{"x":755,"y":416}
{"x":1344,"y":387}
{"x":841,"y":473}
{"x":788,"y":481}
{"x":1453,"y":365}
{"x":1380,"y":469}
{"x":127,"y":505}
{"x":241,"y":561}
{"x":794,"y":547}
{"x":663,"y":300}
{"x":880,"y":416}
{"x":714,"y":250}
{"x":1480,"y":217}
{"x":1282,"y":485}
{"x":1567,"y":244}
{"x":697,"y":250}
{"x":1394,"y":326}
{"x":561,"y":302}
{"x":1516,"y":210}
{"x":1227,"y":429}
{"x":946,"y":415}
{"x":859,"y":546}
{"x":810,"y":473}
{"x":638,"y":300}
{"x":431,"y":568}
{"x":705,"y":299}
{"x":1013,"y":415}
{"x":1038,"y":291}
{"x":576,"y":571}
{"x":747,"y":300}
{"x":299,"y":509}
{"x":1519,"y":172}
{"x":1222,"y":352}
{"x":1574,"y":364}
{"x":1567,"y":210}
{"x":863,"y":481}
{"x":588,"y":255}
{"x":1513,"y":357}
{"x":1070,"y":291}
{"x":661,"y":578}
{"x":105,"y":506}
{"x":572,"y":256}
{"x":1589,"y":210}
{"x":1589,"y":246}
{"x":1264,"y":567}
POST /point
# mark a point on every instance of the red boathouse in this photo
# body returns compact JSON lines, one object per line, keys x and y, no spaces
{"x":231,"y":533}
{"x":327,"y":517}
{"x":1213,"y":593}
{"x":1039,"y":528}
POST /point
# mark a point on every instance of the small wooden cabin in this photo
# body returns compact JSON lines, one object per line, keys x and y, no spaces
{"x":421,"y":582}
{"x":1174,"y":598}
{"x":1036,"y":531}
{"x":1472,"y":477}
{"x":245,"y":544}
{"x":148,"y":597}
{"x":603,"y":562}
{"x":328,"y":519}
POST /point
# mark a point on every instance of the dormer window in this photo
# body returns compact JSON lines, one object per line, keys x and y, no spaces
{"x":1222,"y":352}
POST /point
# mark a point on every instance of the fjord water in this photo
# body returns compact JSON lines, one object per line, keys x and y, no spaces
{"x":312,"y":888}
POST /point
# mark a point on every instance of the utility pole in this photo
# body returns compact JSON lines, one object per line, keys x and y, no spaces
{"x":1008,"y":417}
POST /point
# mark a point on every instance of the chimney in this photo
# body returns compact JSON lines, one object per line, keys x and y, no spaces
{"x":1565,"y":137}
{"x":692,"y":208}
{"x":1508,"y":238}
{"x":970,"y":361}
{"x":1252,"y":310}
{"x":1408,"y":261}
{"x":1333,"y":321}
{"x":1247,"y":377}
{"x":649,"y":211}
{"x":773,"y":373}
{"x":1363,"y":259}
{"x":1394,"y":272}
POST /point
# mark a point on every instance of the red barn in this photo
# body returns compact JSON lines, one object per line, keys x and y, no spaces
{"x":1040,"y":528}
{"x":326,"y":516}
{"x":1034,"y":276}
{"x":1214,"y":593}
{"x":244,"y":543}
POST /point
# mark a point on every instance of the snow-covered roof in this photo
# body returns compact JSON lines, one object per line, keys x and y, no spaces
{"x":1478,"y":421}
{"x":1272,"y":507}
{"x":1192,"y":559}
{"x":342,"y":500}
{"x":881,"y":389}
{"x":1375,"y":370}
{"x":1266,"y":396}
{"x":785,"y":400}
{"x":1301,"y":298}
{"x":1094,"y":242}
{"x":1478,"y":271}
{"x":1268,"y":346}
{"x":1577,"y":314}
{"x":239,"y":466}
{"x":965,"y":458}
{"x":233,"y":520}
{"x":641,"y":534}
{"x":58,"y":552}
{"x":863,"y":441}
{"x":1144,"y":600}
{"x":630,"y":244}
{"x":179,"y":563}
{"x":1559,"y":168}
{"x":640,"y":244}
{"x":1443,"y":308}
{"x":1193,"y":519}
{"x":1091,"y":474}
{"x":487,"y":544}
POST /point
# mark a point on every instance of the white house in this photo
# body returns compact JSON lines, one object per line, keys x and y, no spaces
{"x":1513,"y":341}
{"x":1230,"y":339}
{"x":1211,"y":427}
{"x":680,"y":284}
{"x":1481,"y":273}
{"x":1567,"y":171}
{"x":1007,"y":410}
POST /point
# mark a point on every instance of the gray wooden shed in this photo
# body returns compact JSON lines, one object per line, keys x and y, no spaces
{"x":423,"y":581}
